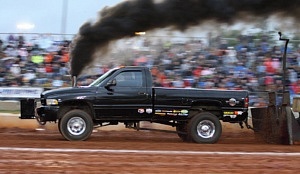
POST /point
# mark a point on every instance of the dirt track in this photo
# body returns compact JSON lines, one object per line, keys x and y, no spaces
{"x":118,"y":150}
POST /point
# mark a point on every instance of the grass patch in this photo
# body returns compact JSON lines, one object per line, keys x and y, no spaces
{"x":10,"y":111}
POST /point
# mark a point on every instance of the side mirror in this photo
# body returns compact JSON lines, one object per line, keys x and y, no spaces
{"x":110,"y":84}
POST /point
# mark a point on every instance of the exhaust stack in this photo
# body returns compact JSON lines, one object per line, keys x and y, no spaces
{"x":74,"y":81}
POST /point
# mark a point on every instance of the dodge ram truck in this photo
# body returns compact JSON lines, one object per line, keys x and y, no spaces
{"x":126,"y":95}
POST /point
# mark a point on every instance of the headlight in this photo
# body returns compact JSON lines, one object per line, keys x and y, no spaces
{"x":51,"y":102}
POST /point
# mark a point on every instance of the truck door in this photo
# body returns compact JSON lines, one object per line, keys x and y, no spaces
{"x":126,"y":96}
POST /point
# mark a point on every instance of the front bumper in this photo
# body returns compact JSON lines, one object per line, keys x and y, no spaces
{"x":29,"y":110}
{"x":47,"y":113}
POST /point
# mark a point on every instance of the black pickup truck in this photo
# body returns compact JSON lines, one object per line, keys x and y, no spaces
{"x":125,"y":95}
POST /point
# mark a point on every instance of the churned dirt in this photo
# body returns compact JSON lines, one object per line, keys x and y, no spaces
{"x":26,"y":148}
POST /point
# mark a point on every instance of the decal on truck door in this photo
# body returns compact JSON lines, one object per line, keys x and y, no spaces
{"x":147,"y":110}
{"x":163,"y":112}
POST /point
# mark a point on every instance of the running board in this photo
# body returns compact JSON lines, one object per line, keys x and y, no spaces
{"x":157,"y":130}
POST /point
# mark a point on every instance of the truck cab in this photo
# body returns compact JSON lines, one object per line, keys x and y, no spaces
{"x":123,"y":93}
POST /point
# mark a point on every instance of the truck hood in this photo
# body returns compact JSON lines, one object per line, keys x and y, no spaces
{"x":69,"y":91}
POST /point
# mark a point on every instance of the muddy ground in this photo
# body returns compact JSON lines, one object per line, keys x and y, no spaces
{"x":26,"y":149}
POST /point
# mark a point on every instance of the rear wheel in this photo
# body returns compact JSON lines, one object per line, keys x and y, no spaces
{"x":182,"y":132}
{"x":204,"y":128}
{"x":76,"y":125}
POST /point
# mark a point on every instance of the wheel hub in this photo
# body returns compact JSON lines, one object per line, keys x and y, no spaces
{"x":76,"y":126}
{"x":206,"y":129}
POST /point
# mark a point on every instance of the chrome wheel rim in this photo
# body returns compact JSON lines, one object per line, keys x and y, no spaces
{"x":76,"y":126}
{"x":206,"y":129}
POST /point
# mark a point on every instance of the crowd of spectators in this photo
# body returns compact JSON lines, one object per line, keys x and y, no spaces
{"x":249,"y":65}
{"x":35,"y":62}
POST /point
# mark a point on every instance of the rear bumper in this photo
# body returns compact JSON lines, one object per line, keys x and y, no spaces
{"x":235,"y":115}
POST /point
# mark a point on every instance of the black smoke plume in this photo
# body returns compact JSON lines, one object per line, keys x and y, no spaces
{"x":128,"y":17}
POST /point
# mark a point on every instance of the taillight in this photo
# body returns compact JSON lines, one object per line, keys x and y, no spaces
{"x":246,"y":102}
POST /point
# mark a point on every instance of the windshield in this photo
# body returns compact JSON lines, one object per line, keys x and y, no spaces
{"x":98,"y":81}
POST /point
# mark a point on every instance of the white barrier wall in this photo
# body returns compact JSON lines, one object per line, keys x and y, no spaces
{"x":7,"y":93}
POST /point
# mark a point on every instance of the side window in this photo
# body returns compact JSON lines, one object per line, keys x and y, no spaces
{"x":129,"y":79}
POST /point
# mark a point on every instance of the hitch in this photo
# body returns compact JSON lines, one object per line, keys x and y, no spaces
{"x":246,"y":124}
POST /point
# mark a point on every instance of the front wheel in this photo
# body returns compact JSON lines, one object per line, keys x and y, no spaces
{"x":205,"y":128}
{"x":76,"y":125}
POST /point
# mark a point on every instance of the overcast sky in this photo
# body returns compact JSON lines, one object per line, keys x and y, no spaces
{"x":46,"y":16}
